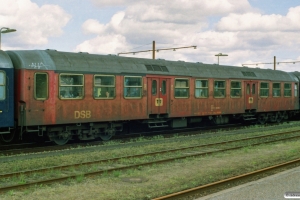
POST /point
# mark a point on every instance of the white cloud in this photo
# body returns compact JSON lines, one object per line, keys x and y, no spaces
{"x":261,"y":23}
{"x":108,"y":44}
{"x":239,"y":30}
{"x":34,"y":24}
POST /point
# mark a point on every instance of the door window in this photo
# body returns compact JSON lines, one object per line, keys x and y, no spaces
{"x":164,"y":87}
{"x":253,"y":88}
{"x":2,"y":85}
{"x":41,"y":86}
{"x":154,"y":87}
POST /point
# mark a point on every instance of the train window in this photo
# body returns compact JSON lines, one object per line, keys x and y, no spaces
{"x":264,"y":89}
{"x":164,"y":87}
{"x":248,"y":88}
{"x":253,"y":88}
{"x":71,"y":86}
{"x":296,"y":89}
{"x":287,"y":90}
{"x":41,"y":86}
{"x":133,"y":87}
{"x":104,"y":87}
{"x":181,"y":88}
{"x":2,"y":85}
{"x":154,"y":87}
{"x":219,"y":89}
{"x":276,"y":90}
{"x":236,"y":89}
{"x":201,"y":89}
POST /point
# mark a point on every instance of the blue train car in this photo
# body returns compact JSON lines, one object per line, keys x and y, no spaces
{"x":6,"y":96}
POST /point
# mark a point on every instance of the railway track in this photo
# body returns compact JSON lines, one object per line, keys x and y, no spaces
{"x":130,"y":162}
{"x":26,"y":148}
{"x":205,"y":189}
{"x":15,"y":149}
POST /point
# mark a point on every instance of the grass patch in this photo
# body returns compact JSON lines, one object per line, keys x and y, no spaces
{"x":174,"y":176}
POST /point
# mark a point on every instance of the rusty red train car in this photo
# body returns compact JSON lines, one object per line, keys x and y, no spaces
{"x":63,"y":95}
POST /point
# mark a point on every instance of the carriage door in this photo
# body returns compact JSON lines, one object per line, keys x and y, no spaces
{"x":251,"y":93}
{"x":158,"y":93}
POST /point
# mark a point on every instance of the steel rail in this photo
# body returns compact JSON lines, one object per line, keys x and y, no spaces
{"x":99,"y":172}
{"x":7,"y":175}
{"x":210,"y":186}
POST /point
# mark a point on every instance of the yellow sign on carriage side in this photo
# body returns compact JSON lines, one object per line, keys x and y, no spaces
{"x":159,"y":101}
{"x":83,"y":114}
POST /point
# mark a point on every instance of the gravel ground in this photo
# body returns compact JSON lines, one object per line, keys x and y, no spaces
{"x":270,"y":188}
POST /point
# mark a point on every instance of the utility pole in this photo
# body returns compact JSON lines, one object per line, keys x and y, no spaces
{"x":153,"y":50}
{"x":274,"y":62}
{"x":220,"y":54}
{"x":157,"y":50}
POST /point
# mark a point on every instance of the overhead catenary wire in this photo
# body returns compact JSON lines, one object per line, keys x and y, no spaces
{"x":270,"y":63}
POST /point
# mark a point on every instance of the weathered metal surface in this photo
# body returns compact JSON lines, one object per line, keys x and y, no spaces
{"x":83,"y":62}
{"x":7,"y":91}
{"x":62,"y":111}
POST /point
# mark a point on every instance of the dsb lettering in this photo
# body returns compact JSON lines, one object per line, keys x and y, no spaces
{"x":84,"y":114}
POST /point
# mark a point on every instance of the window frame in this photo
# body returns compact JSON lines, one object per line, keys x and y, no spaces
{"x":260,"y":89}
{"x":95,"y":86}
{"x":295,"y":89}
{"x":290,"y":89}
{"x":277,"y":89}
{"x":3,"y":85}
{"x":47,"y":86}
{"x":59,"y":86}
{"x":202,"y":88}
{"x":125,"y":88}
{"x":217,"y":88}
{"x":187,"y":88}
{"x":233,"y":90}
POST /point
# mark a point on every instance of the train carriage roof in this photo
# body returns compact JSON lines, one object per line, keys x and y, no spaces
{"x":5,"y":61}
{"x":112,"y":64}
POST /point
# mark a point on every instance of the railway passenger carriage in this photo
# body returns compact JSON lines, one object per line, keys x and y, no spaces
{"x":6,"y":96}
{"x":63,"y":95}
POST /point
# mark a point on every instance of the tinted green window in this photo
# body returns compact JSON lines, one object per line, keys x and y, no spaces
{"x":164,"y":87}
{"x":287,"y":89}
{"x":276,"y":90}
{"x":235,"y":89}
{"x":104,"y":87}
{"x":201,"y":88}
{"x":181,"y":88}
{"x":219,"y":89}
{"x":41,"y":86}
{"x":2,"y":85}
{"x":154,"y":87}
{"x":133,"y":87}
{"x":71,"y":86}
{"x":264,"y":89}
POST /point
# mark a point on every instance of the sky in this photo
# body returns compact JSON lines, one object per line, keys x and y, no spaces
{"x":248,"y":31}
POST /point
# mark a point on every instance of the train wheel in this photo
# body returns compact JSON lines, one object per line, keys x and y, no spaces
{"x":7,"y":138}
{"x":61,"y":138}
{"x":262,"y":118}
{"x":108,"y":133}
{"x":105,"y":136}
{"x":280,"y":117}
